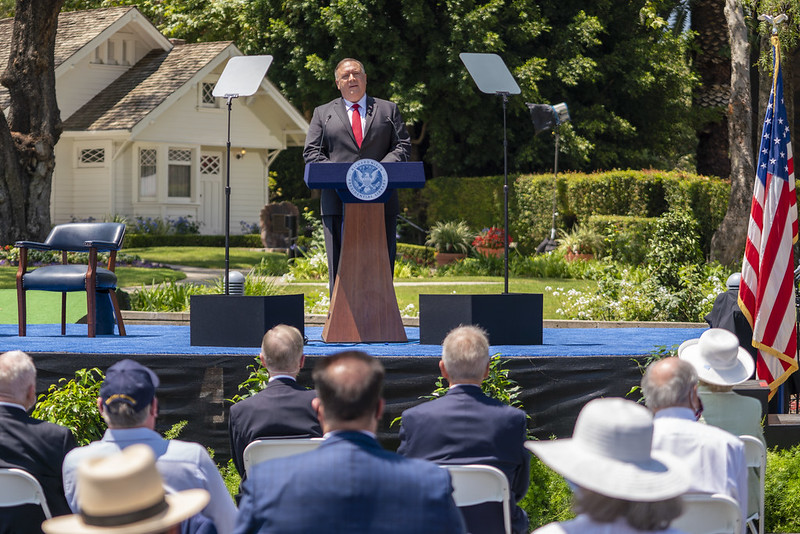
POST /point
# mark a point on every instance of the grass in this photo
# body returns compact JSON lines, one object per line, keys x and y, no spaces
{"x":409,"y":294}
{"x":207,"y":257}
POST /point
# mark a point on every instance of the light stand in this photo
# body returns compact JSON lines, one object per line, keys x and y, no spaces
{"x":544,"y":117}
{"x":242,"y":77}
{"x":492,"y":76}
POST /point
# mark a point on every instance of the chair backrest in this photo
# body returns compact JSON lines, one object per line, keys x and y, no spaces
{"x":20,"y":487}
{"x":756,"y":456}
{"x":704,"y":513}
{"x":475,"y":484}
{"x":267,"y":449}
{"x":72,"y":236}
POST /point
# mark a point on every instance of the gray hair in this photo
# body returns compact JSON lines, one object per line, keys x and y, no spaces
{"x":347,"y":60}
{"x":465,"y":353}
{"x":644,"y":516}
{"x":122,"y":415}
{"x":673,"y":389}
{"x":282,"y":347}
{"x":17,"y":375}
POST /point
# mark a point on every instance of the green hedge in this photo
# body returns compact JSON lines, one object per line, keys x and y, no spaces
{"x":419,"y":254}
{"x":624,"y":237}
{"x":191,"y":240}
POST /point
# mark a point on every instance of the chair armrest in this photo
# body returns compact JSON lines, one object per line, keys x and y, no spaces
{"x":102,"y":245}
{"x":32,"y":244}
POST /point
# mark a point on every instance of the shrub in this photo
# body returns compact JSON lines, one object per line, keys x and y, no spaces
{"x":675,"y":243}
{"x":73,"y":404}
{"x":133,"y":240}
{"x":781,"y":507}
{"x":493,"y":237}
{"x":548,"y":499}
{"x":450,"y":236}
{"x":623,"y":238}
{"x":165,"y":297}
{"x":271,"y":265}
{"x":419,"y":254}
{"x":162,"y":226}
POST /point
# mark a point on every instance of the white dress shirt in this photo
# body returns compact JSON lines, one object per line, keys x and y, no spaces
{"x":715,"y":457}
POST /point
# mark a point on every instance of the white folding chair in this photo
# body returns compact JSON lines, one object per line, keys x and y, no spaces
{"x":20,"y":487}
{"x":475,"y":484}
{"x":704,"y":513}
{"x":267,"y":449}
{"x":756,"y":455}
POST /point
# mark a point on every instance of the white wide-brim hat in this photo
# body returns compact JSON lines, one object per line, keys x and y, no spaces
{"x":610,"y":453}
{"x":718,"y":358}
{"x":124,"y":494}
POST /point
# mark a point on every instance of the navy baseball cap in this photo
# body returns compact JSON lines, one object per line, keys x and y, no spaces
{"x":130,"y":382}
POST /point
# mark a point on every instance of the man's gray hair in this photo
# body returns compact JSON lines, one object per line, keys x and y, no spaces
{"x":282,"y":347}
{"x":676,"y":390}
{"x":17,"y":374}
{"x":122,"y":415}
{"x":465,"y":353}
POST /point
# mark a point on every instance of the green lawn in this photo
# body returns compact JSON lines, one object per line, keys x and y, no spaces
{"x":208,"y":257}
{"x":409,"y":294}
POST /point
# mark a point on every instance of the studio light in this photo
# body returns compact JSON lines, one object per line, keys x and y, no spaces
{"x":545,"y":116}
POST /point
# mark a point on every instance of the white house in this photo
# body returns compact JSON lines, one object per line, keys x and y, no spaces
{"x":143,"y":135}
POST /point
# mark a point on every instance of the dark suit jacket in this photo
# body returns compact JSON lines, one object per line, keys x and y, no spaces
{"x":330,"y":138}
{"x":282,"y":409}
{"x":39,"y":448}
{"x":348,"y":485}
{"x":467,"y":427}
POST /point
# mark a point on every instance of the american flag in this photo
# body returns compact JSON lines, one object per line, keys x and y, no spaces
{"x":766,"y":291}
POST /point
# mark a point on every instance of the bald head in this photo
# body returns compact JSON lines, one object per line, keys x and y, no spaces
{"x":668,"y":383}
{"x":282,"y":350}
{"x":17,"y":378}
{"x":349,"y":387}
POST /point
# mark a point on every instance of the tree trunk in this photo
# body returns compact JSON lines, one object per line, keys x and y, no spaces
{"x":30,"y":132}
{"x":714,"y":69}
{"x":727,"y":245}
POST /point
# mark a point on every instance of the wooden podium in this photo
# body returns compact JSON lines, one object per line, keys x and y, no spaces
{"x":363,"y":306}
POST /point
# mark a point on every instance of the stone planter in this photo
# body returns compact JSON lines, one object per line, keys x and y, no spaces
{"x":443,"y":258}
{"x":486,"y":251}
{"x":578,"y":257}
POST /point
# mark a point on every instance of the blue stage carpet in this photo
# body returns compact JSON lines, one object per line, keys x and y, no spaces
{"x":176,"y":340}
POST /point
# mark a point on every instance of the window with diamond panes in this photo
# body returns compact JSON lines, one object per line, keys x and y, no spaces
{"x":209,"y":164}
{"x":92,"y":157}
{"x":207,"y":98}
{"x":179,"y":175}
{"x":147,"y":172}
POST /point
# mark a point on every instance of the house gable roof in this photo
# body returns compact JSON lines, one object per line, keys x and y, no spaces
{"x":145,"y":86}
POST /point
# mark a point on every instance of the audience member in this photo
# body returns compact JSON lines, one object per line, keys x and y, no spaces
{"x":622,"y":485}
{"x":720,"y":364}
{"x":283,"y":408}
{"x":129,"y":406}
{"x":349,"y":484}
{"x":26,"y":443}
{"x":726,"y":313}
{"x":715,"y":457}
{"x":124,"y":493}
{"x":465,"y":426}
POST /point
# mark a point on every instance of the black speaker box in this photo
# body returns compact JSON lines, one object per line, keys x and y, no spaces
{"x":241,"y":321}
{"x":508,"y":318}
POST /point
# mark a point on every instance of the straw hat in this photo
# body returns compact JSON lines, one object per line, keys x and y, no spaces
{"x":610,"y":453}
{"x":123,"y":494}
{"x":718,"y":358}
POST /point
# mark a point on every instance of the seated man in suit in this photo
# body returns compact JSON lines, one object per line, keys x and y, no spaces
{"x":283,"y":408}
{"x":349,"y":484}
{"x":129,"y":405}
{"x":467,"y":427}
{"x":29,"y":444}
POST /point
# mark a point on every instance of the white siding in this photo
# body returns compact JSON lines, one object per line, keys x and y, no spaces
{"x":247,"y":190}
{"x":61,"y":191}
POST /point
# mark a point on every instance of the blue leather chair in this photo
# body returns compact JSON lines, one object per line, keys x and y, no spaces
{"x":74,"y":237}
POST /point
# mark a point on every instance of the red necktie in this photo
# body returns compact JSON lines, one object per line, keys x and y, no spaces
{"x":357,"y":125}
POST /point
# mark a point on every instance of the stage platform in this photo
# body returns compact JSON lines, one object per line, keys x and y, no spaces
{"x":571,"y":367}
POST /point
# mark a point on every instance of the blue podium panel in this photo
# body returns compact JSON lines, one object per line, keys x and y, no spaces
{"x":327,"y":175}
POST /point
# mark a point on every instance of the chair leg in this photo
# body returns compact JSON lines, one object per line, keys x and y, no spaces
{"x":117,"y":312}
{"x":21,"y":312}
{"x":90,"y":309}
{"x":63,"y":314}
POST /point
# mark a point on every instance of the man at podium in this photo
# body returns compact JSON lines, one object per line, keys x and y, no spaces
{"x":346,"y":129}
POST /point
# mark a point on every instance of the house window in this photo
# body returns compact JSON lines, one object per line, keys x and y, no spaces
{"x":179,"y":174}
{"x":209,"y":164}
{"x":207,"y":98}
{"x":91,"y":157}
{"x":147,"y":172}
